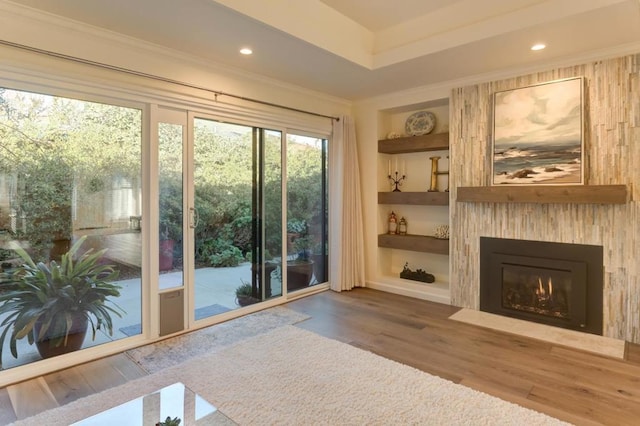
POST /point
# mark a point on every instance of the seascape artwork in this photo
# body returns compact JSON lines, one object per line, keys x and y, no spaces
{"x":538,"y":134}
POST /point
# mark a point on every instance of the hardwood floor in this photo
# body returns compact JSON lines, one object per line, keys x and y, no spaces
{"x":575,"y":386}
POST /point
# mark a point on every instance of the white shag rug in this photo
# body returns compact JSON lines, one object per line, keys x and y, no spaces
{"x":290,"y":376}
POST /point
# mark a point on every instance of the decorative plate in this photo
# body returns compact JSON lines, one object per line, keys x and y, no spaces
{"x":420,"y":123}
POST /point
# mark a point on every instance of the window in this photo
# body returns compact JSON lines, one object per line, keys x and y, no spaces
{"x":70,"y":176}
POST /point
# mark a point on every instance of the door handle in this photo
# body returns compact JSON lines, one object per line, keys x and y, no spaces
{"x":193,"y":218}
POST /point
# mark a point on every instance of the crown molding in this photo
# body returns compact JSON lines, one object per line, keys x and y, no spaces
{"x":438,"y":91}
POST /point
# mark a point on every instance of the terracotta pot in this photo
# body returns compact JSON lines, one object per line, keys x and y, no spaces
{"x":166,"y":255}
{"x":77,"y":333}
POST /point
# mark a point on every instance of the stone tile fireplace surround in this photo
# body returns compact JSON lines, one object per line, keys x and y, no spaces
{"x":612,"y":153}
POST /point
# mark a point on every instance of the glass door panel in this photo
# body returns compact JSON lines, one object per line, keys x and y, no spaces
{"x":307,"y":212}
{"x":271,"y":205}
{"x":237,"y":186}
{"x":170,"y":211}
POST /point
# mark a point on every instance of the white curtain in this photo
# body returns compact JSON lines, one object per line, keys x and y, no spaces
{"x":346,"y":239}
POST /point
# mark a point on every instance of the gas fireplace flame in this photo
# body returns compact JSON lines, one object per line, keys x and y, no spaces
{"x":538,"y":293}
{"x":545,"y":293}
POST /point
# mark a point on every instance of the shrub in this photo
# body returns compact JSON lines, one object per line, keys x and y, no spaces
{"x":232,"y":256}
{"x":219,"y":252}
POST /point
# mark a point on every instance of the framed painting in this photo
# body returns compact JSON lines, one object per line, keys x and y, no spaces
{"x":538,"y":134}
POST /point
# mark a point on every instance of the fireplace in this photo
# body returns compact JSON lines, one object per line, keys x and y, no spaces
{"x":551,"y":283}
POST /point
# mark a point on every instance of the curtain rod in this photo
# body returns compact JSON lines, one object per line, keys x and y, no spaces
{"x":157,"y":77}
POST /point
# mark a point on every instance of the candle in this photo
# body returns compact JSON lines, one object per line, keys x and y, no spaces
{"x":404,"y":167}
{"x":396,"y":165}
{"x":389,"y":173}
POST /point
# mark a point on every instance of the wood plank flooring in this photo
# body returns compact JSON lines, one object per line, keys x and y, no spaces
{"x":575,"y":386}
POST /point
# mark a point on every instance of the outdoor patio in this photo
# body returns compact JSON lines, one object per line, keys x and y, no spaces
{"x":215,"y":293}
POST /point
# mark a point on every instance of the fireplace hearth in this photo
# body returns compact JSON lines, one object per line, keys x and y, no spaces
{"x":550,"y":283}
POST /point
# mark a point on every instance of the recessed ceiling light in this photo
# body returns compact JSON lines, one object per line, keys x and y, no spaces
{"x":246,"y":51}
{"x":538,"y":46}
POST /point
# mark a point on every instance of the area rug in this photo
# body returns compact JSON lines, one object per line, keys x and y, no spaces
{"x":290,"y":376}
{"x":158,"y":356}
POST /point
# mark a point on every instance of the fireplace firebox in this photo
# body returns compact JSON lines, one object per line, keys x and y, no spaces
{"x":551,"y":283}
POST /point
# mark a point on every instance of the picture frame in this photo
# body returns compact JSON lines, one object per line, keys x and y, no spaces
{"x":538,"y":134}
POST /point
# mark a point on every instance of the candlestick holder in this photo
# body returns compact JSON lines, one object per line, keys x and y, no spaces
{"x":397,"y":181}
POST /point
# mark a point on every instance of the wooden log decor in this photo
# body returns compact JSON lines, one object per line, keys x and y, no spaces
{"x":417,"y":275}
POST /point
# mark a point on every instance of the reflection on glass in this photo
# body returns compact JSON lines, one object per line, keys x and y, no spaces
{"x":175,"y":401}
{"x":271,"y":203}
{"x":170,"y":253}
{"x":307,"y":213}
{"x":70,"y":171}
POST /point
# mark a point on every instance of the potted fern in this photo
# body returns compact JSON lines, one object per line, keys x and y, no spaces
{"x":52,"y":304}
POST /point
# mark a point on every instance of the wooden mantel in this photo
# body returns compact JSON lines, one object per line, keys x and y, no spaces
{"x":545,"y":194}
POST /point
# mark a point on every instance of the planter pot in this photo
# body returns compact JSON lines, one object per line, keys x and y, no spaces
{"x":59,"y":248}
{"x":299,"y":274}
{"x":246,"y":300}
{"x":78,"y":330}
{"x":166,"y":255}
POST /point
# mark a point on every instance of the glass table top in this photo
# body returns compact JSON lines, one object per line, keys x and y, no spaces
{"x":173,"y":401}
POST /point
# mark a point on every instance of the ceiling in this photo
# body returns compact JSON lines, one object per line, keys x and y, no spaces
{"x":356,"y":49}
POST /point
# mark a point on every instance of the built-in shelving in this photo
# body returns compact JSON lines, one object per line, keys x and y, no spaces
{"x":421,"y":243}
{"x":569,"y":194}
{"x":424,"y":209}
{"x":409,"y":144}
{"x":414,"y":198}
{"x":406,"y":144}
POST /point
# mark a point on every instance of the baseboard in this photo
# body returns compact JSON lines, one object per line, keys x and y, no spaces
{"x":431,"y":293}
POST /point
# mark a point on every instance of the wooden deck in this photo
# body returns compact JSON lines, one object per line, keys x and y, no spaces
{"x":122,"y":247}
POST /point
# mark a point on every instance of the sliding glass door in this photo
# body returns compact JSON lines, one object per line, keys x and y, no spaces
{"x":225,"y":215}
{"x":237,"y":201}
{"x":71,"y":172}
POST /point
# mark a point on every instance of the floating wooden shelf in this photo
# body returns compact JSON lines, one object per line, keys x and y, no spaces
{"x":414,"y":198}
{"x":421,"y":243}
{"x":540,"y":194}
{"x":403,"y":145}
